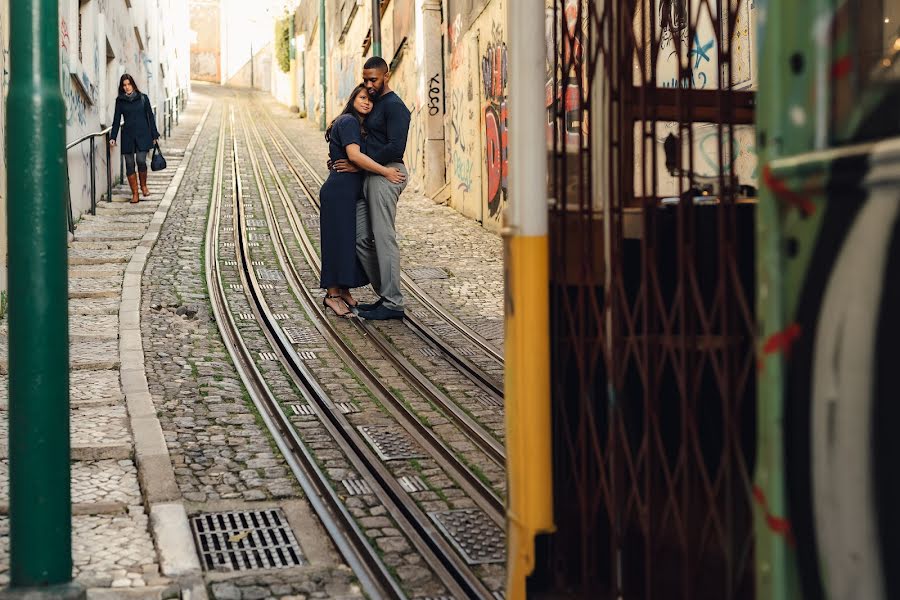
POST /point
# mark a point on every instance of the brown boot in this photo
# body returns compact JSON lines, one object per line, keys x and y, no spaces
{"x":133,"y":182}
{"x":142,"y":175}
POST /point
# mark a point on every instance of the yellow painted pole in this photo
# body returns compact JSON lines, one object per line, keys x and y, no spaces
{"x":527,"y":383}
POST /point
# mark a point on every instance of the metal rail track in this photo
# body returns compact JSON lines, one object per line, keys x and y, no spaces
{"x":486,"y":382}
{"x":482,"y":438}
{"x":349,"y":539}
{"x":437,"y":552}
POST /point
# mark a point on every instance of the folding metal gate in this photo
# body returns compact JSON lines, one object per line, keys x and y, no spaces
{"x":650,"y":138}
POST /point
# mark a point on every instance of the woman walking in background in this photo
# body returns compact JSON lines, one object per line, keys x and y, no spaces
{"x":139,"y":133}
{"x":341,"y":270}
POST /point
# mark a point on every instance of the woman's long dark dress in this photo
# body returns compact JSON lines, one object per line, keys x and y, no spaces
{"x":337,"y":215}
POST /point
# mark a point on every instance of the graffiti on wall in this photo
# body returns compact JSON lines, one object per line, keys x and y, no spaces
{"x":346,"y":76}
{"x":494,"y":82}
{"x":565,"y":98}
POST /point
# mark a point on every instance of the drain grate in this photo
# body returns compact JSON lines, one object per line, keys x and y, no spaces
{"x":488,"y":400}
{"x":389,"y":443}
{"x":243,"y":540}
{"x":477,"y":538}
{"x":302,"y":335}
{"x":413,"y":484}
{"x":427,"y":273}
{"x":356,"y":487}
{"x":302,"y":409}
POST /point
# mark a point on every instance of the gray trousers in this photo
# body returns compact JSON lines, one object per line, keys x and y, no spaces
{"x":376,"y":236}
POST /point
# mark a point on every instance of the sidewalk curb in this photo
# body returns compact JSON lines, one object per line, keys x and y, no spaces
{"x":168,"y":519}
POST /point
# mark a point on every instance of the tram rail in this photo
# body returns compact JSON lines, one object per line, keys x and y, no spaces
{"x":482,"y":438}
{"x":448,"y":565}
{"x":463,"y":364}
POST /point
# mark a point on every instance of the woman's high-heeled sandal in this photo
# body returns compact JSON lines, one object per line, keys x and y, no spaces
{"x":328,"y":297}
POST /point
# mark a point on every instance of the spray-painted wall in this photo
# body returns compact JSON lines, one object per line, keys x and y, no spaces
{"x":449,"y":65}
{"x":149,"y":40}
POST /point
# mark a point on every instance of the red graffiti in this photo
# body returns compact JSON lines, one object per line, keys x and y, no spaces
{"x":787,"y":195}
{"x":493,"y":72}
{"x":63,"y":34}
{"x":777,"y":525}
{"x":497,"y":155}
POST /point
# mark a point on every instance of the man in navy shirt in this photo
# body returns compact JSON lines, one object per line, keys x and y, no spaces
{"x":387,"y":127}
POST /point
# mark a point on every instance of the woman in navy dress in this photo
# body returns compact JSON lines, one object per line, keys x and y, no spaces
{"x":139,"y":133}
{"x":341,"y":270}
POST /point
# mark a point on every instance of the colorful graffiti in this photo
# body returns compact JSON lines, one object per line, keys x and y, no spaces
{"x":494,"y":81}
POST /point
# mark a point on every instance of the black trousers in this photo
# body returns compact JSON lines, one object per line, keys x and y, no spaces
{"x":141,"y":162}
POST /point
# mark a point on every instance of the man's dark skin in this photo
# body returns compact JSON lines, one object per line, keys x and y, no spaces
{"x":376,"y":82}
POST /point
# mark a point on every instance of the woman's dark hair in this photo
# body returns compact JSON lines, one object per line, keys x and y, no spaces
{"x":122,"y":80}
{"x":349,"y":110}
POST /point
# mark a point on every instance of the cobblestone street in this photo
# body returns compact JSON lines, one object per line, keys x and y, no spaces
{"x":166,"y":430}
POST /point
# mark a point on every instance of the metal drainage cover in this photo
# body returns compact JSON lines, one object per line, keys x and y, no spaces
{"x":302,"y":335}
{"x":243,"y":540}
{"x":270,"y":275}
{"x":427,"y":273}
{"x":477,"y":538}
{"x":389,"y":443}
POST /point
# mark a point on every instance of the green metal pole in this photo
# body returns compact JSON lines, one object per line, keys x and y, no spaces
{"x":40,"y":505}
{"x":322,"y":49}
{"x":376,"y":28}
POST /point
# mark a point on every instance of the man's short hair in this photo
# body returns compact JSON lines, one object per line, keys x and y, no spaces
{"x":376,"y":62}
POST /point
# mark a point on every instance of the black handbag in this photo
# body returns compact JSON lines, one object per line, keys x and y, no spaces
{"x":157,"y":161}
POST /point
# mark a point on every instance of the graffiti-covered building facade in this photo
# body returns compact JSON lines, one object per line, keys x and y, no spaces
{"x":99,"y":40}
{"x":449,"y":65}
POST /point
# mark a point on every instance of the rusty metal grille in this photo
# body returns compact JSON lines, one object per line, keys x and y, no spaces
{"x":650,"y":113}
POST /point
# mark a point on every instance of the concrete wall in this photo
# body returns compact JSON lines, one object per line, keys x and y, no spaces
{"x":206,"y":40}
{"x":149,"y":40}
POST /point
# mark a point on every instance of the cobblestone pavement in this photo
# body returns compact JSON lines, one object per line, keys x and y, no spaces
{"x":223,"y":457}
{"x":112,"y":545}
{"x":214,"y":445}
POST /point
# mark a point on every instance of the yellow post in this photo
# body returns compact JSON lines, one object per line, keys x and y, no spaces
{"x":528,"y":417}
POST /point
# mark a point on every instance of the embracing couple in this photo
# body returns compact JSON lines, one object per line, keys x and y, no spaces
{"x":358,"y":202}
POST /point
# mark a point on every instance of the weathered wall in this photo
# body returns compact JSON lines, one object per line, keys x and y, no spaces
{"x":149,"y":40}
{"x":206,"y":40}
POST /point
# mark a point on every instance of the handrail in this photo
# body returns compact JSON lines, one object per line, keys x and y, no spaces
{"x":87,"y":137}
{"x":173,"y":105}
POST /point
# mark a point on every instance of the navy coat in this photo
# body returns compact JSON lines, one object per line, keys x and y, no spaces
{"x":139,"y":129}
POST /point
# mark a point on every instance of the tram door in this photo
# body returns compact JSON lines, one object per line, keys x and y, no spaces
{"x":829,"y":136}
{"x":653,"y":177}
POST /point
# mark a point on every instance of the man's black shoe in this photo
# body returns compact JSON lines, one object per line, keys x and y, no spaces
{"x":370,"y":306}
{"x":382,"y":313}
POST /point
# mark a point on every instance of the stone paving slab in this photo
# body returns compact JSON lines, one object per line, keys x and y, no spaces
{"x":98,"y":432}
{"x":94,"y":326}
{"x":83,"y":354}
{"x":102,"y":483}
{"x":107,"y":551}
{"x":95,"y":287}
{"x":93,"y":306}
{"x":86,"y":389}
{"x":91,"y":256}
